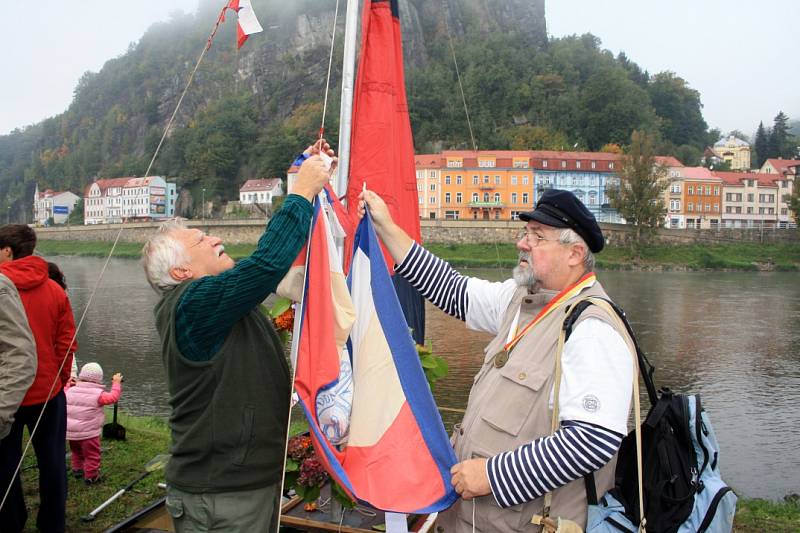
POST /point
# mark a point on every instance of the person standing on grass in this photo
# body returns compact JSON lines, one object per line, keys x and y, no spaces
{"x":85,"y":417}
{"x":50,"y":318}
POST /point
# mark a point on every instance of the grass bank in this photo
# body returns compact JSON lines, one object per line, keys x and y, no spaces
{"x":742,"y":256}
{"x":148,"y":437}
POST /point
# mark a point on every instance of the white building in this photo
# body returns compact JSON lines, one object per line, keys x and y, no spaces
{"x":50,"y":204}
{"x":117,"y":200}
{"x":260,"y":191}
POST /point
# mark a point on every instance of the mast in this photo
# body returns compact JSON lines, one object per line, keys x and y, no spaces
{"x":346,"y":110}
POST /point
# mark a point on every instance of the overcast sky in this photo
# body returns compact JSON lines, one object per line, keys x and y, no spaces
{"x":744,"y":61}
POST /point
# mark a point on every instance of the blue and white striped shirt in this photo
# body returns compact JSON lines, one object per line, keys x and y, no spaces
{"x":596,"y":354}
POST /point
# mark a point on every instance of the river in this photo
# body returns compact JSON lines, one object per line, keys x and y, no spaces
{"x":733,"y":338}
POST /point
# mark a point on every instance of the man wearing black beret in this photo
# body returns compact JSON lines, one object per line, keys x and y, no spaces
{"x":510,"y":455}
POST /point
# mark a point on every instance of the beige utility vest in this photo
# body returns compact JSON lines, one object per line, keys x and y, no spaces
{"x":509,"y":407}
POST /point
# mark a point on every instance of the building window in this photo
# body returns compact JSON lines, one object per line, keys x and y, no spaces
{"x":594,"y":164}
{"x":474,"y":197}
{"x":563,"y":164}
{"x":432,"y":200}
{"x":676,"y":188}
{"x":513,"y":180}
{"x":690,"y":207}
{"x":544,"y":164}
{"x":716,"y":191}
{"x":455,"y":163}
{"x":474,"y":180}
{"x":513,"y":198}
{"x":497,"y":197}
{"x":690,"y":190}
{"x":432,"y":215}
{"x":458,"y":197}
{"x":611,"y":165}
{"x":458,"y":180}
{"x":577,"y":164}
{"x":486,"y":163}
{"x":421,"y":201}
{"x":521,"y":164}
{"x":447,"y":197}
{"x":524,"y":180}
{"x":524,"y":198}
{"x":447,"y":180}
{"x":708,"y":190}
{"x":708,"y":208}
{"x":486,"y":197}
{"x":486,"y":179}
{"x":433,"y":186}
{"x":419,"y":187}
{"x":497,"y":180}
{"x":451,"y":215}
{"x":750,"y":197}
{"x":433,"y":174}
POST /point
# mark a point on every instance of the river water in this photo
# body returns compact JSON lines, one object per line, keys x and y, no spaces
{"x":733,"y":338}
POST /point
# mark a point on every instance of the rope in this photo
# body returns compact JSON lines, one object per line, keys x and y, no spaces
{"x":220,"y":19}
{"x":328,"y":78}
{"x":458,"y":74}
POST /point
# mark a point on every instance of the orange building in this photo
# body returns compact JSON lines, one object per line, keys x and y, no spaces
{"x":702,"y":198}
{"x":484,"y":185}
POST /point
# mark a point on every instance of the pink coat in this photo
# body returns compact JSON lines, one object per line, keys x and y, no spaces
{"x":85,"y":403}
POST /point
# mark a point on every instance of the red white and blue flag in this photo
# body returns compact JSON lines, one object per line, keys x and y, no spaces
{"x":395,"y":454}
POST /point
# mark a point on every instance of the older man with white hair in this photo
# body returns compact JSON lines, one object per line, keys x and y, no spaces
{"x":226,"y":370}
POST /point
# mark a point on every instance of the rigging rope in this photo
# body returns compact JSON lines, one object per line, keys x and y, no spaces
{"x":328,"y":78}
{"x":458,"y":73}
{"x":220,"y":19}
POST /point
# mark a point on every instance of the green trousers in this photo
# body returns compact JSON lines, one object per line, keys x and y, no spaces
{"x":246,"y":511}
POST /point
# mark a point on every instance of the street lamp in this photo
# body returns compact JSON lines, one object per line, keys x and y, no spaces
{"x":204,"y":205}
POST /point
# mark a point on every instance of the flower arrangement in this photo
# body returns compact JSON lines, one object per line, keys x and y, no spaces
{"x":304,"y":473}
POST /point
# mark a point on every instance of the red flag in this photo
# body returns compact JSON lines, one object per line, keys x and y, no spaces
{"x":382,"y":152}
{"x":247,"y":24}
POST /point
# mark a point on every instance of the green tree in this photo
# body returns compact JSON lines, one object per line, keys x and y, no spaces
{"x":679,"y":108}
{"x":779,"y":143}
{"x":76,"y":216}
{"x":761,"y":146}
{"x":638,"y":194}
{"x":689,"y":155}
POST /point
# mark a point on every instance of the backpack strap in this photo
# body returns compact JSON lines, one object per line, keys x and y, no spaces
{"x":616,"y":314}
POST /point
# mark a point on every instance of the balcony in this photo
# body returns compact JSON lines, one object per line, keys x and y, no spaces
{"x":486,"y":205}
{"x":486,"y":186}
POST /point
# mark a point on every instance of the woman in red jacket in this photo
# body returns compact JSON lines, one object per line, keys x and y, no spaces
{"x":53,"y":326}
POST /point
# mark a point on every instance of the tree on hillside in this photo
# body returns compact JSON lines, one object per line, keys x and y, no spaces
{"x":76,"y":216}
{"x":794,"y":202}
{"x":638,"y":194}
{"x":761,"y":146}
{"x":679,"y":108}
{"x":779,"y":144}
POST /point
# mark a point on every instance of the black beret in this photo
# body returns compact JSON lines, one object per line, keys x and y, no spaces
{"x":562,"y":209}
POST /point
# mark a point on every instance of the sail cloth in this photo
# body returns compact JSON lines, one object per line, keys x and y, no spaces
{"x":382,"y":153}
{"x":247,"y":23}
{"x":396,"y":455}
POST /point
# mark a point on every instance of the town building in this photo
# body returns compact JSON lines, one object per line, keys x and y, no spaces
{"x":260,"y":191}
{"x":117,"y":200}
{"x":702,"y":198}
{"x":51,"y":206}
{"x":429,"y":185}
{"x":750,"y":200}
{"x":732,"y":150}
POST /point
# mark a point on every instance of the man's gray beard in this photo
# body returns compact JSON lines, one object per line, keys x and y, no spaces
{"x":525,"y":276}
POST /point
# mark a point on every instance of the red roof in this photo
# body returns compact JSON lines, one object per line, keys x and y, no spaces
{"x":668,"y":161}
{"x":105,"y":184}
{"x":784,"y":166}
{"x":429,"y":161}
{"x":266,"y":184}
{"x":735,"y":178}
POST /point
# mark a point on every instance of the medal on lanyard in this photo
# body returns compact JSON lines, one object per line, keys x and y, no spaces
{"x":501,"y":357}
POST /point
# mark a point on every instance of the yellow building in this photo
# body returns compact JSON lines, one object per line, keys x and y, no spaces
{"x":734,"y":151}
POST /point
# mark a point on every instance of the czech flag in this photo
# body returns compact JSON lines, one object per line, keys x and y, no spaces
{"x":396,"y":455}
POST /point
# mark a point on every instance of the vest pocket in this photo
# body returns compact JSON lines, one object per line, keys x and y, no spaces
{"x":246,"y":435}
{"x":509,"y":405}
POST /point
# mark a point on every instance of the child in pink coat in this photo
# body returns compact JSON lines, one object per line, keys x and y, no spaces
{"x":85,"y":418}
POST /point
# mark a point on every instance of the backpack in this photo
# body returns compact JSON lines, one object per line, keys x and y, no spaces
{"x":683,"y":490}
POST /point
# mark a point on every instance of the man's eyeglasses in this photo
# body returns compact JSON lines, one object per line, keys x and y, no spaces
{"x":533,"y":238}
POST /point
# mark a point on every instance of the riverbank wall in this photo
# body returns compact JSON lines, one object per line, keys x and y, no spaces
{"x":433,"y":231}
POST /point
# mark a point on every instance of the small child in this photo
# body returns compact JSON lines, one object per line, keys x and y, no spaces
{"x":85,"y":418}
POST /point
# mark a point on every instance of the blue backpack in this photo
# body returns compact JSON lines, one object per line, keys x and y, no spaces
{"x":683,"y":490}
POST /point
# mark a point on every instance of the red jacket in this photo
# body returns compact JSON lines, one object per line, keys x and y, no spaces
{"x":51,"y":321}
